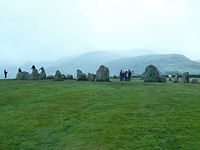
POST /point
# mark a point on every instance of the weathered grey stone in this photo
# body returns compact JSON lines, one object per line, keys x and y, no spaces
{"x":51,"y":77}
{"x":102,"y":74}
{"x":176,"y":78}
{"x":42,"y":75}
{"x":115,"y":77}
{"x":151,"y":74}
{"x":91,"y":77}
{"x":23,"y":76}
{"x":81,"y":76}
{"x":35,"y":74}
{"x":193,"y":80}
{"x":58,"y":76}
{"x":163,"y":79}
{"x":142,"y":76}
{"x":69,"y":77}
{"x":64,"y":77}
{"x":185,"y":77}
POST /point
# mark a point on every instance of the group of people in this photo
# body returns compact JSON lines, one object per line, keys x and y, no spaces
{"x":125,"y":75}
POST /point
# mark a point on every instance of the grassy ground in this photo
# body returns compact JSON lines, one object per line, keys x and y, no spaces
{"x":82,"y":116}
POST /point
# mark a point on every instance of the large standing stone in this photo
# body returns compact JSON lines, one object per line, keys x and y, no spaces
{"x":23,"y":76}
{"x":35,"y":74}
{"x":91,"y":77}
{"x":58,"y":76}
{"x":193,"y":80}
{"x":81,"y":76}
{"x":185,"y":77}
{"x":42,"y":74}
{"x":151,"y":74}
{"x":102,"y":74}
{"x":176,"y":78}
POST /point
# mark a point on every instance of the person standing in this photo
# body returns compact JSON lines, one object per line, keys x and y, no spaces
{"x":121,"y":75}
{"x":33,"y":67}
{"x":170,"y":77}
{"x":126,"y":76}
{"x":19,"y":70}
{"x":5,"y":73}
{"x":129,"y":75}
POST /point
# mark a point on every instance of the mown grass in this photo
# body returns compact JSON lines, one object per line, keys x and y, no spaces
{"x":83,"y":115}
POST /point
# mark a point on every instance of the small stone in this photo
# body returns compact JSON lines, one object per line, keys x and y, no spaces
{"x":163,"y":79}
{"x":70,"y":77}
{"x":91,"y":77}
{"x":50,"y":77}
{"x":193,"y":80}
{"x":64,"y":77}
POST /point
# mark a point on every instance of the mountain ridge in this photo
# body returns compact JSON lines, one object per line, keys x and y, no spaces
{"x":116,"y":61}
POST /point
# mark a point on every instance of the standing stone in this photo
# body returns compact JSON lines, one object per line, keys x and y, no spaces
{"x":69,"y":77}
{"x":185,"y":77}
{"x":64,"y":77}
{"x":58,"y":76}
{"x":102,"y":74}
{"x":50,"y":77}
{"x":35,"y":74}
{"x":81,"y":76}
{"x":142,"y":76}
{"x":193,"y":80}
{"x":163,"y":79}
{"x":91,"y":77}
{"x":151,"y":74}
{"x":176,"y":78}
{"x":42,"y":74}
{"x":23,"y":76}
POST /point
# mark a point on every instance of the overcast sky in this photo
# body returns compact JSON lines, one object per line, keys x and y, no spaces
{"x":36,"y":30}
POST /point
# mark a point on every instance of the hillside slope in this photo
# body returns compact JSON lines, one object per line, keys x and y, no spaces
{"x":89,"y":62}
{"x":164,"y":62}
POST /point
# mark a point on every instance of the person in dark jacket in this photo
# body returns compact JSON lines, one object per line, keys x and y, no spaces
{"x":121,"y":75}
{"x":33,"y":67}
{"x":19,"y":70}
{"x":5,"y":73}
{"x":129,"y":75}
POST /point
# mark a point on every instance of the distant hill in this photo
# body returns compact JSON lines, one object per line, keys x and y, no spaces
{"x":198,"y":60}
{"x":136,"y":59}
{"x":165,"y":63}
{"x":89,"y":62}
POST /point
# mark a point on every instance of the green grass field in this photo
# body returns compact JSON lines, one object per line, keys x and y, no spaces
{"x":74,"y":115}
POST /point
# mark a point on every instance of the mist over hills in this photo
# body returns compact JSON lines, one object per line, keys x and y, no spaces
{"x":136,"y":59}
{"x":89,"y":62}
{"x":164,"y":62}
{"x":198,"y":60}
